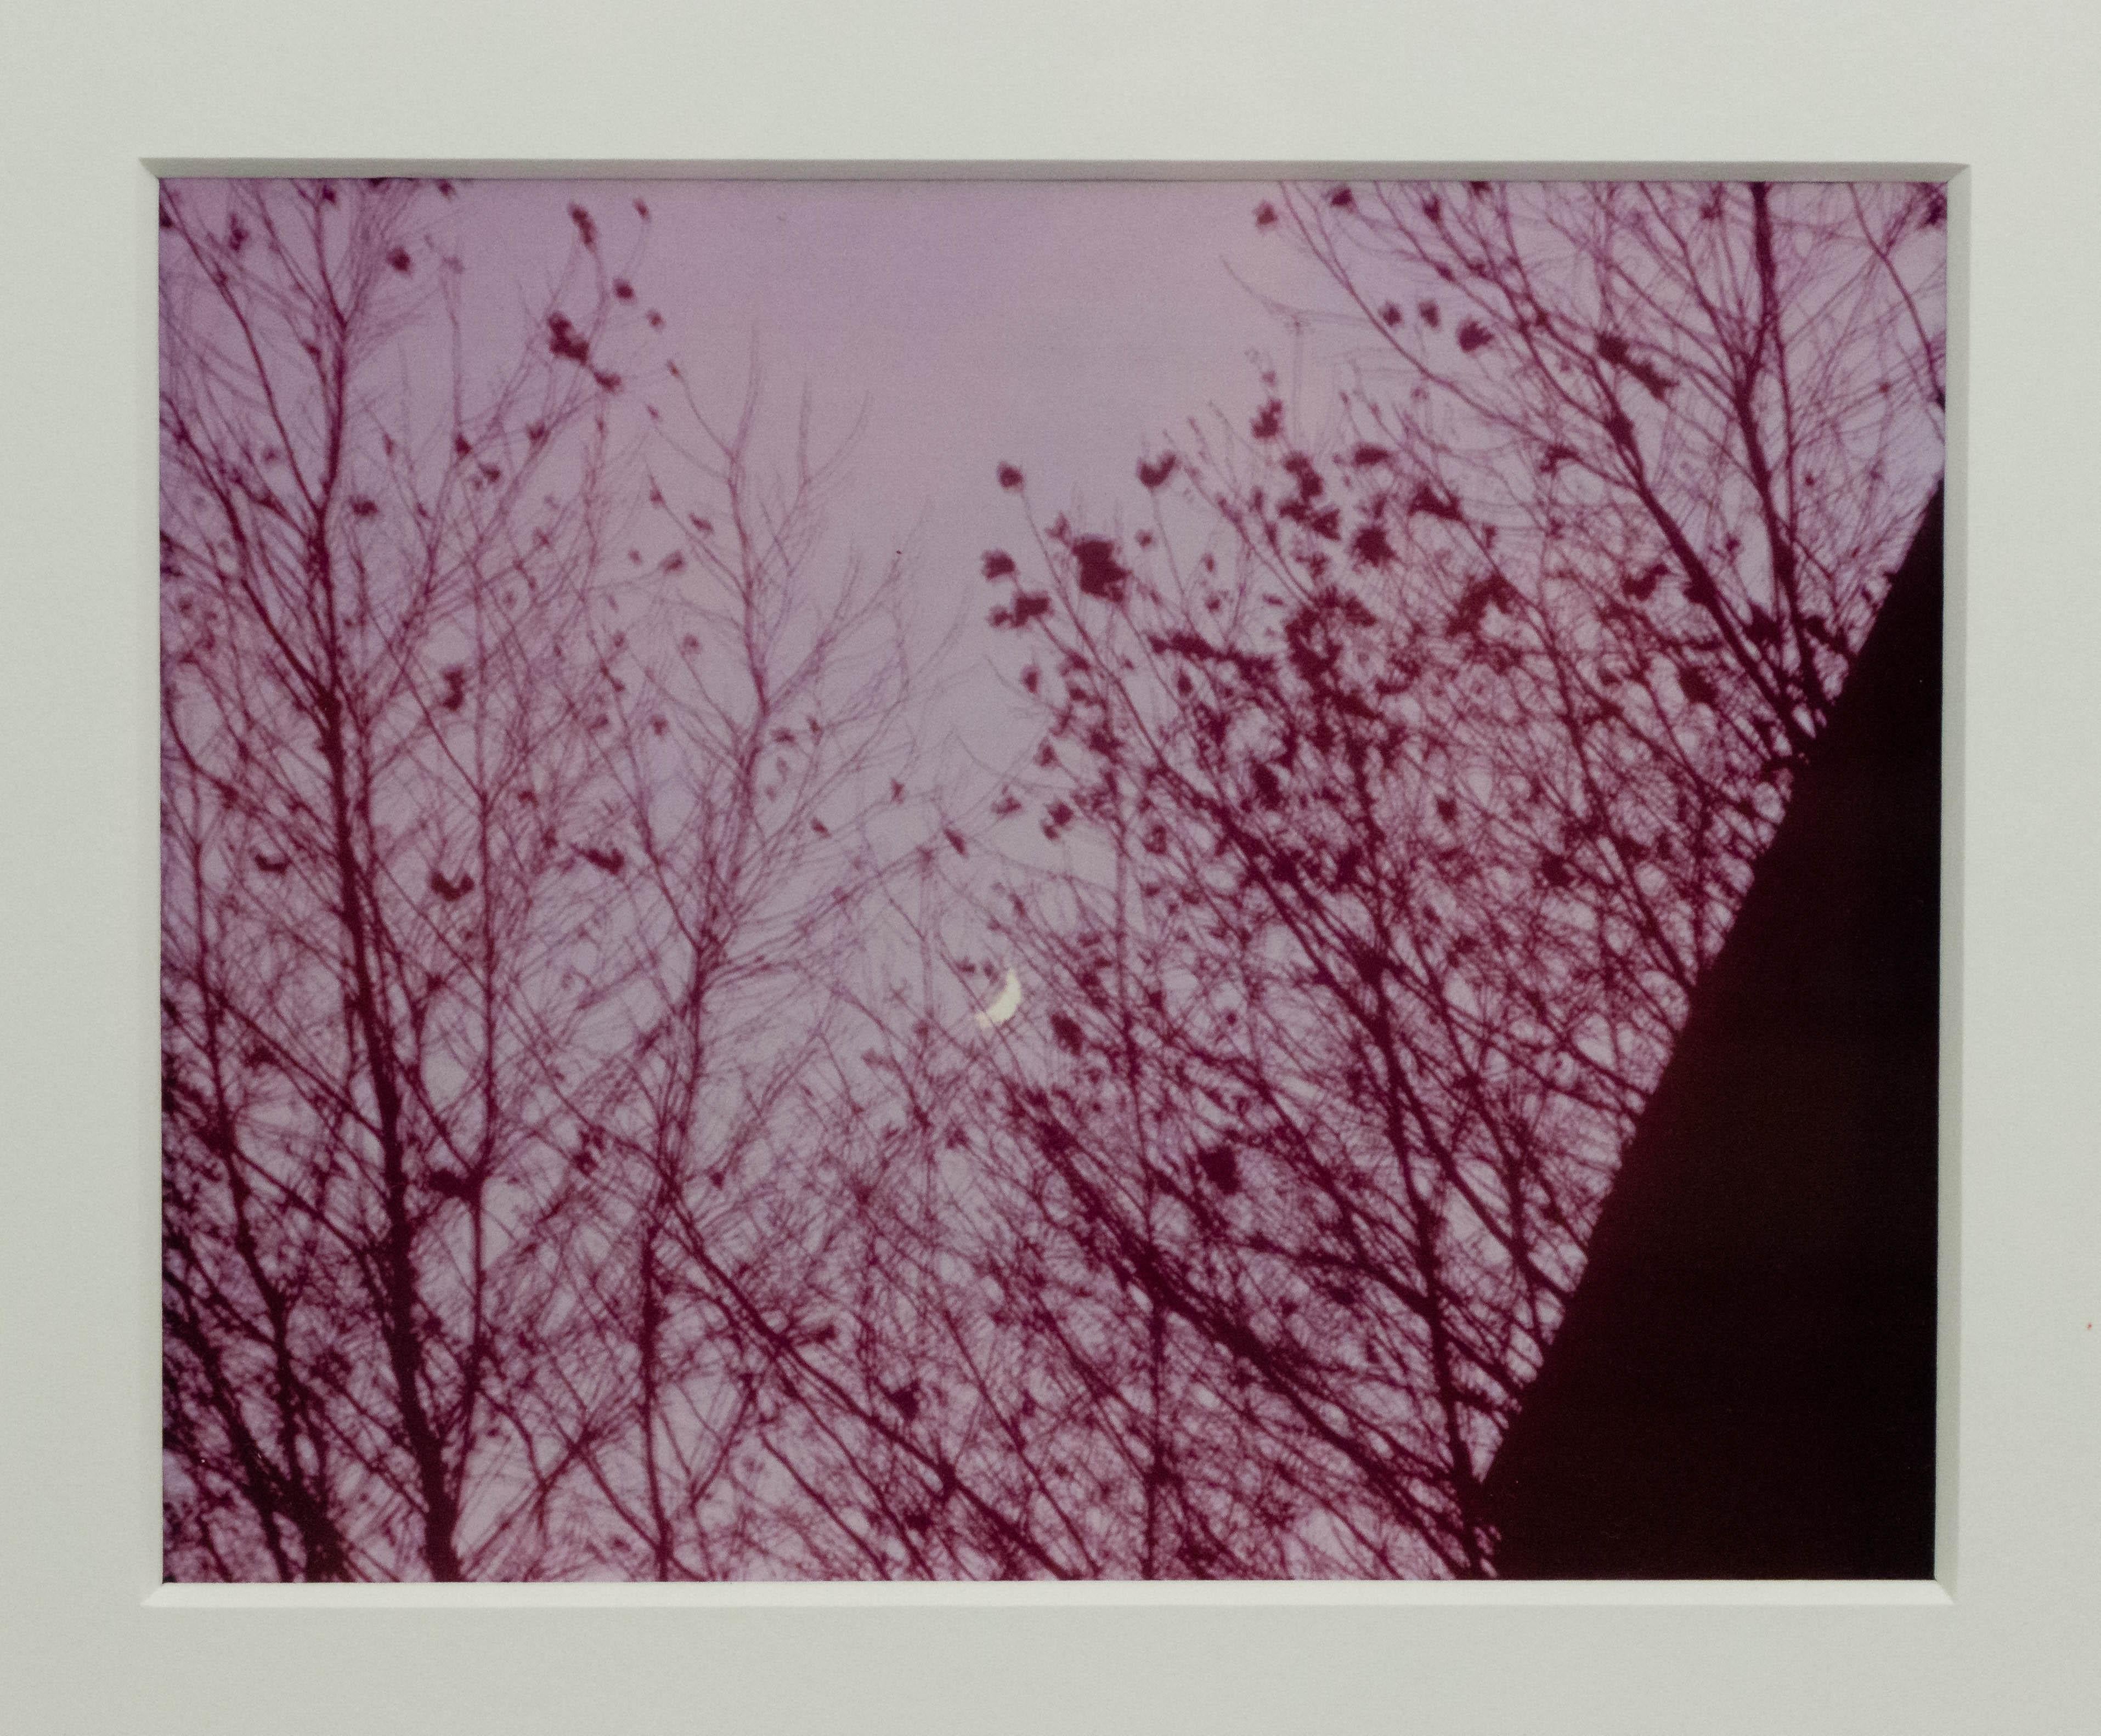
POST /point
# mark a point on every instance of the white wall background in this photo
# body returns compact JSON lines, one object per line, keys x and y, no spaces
{"x":93,"y":90}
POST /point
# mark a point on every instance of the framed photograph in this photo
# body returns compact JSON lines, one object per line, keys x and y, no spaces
{"x":1346,"y":989}
{"x":928,"y":927}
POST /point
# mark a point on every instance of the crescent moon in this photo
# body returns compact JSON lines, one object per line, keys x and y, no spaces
{"x":1005,"y":1005}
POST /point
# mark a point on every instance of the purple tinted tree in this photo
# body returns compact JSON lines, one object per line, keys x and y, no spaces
{"x":494,"y":859}
{"x":749,"y":698}
{"x":1408,"y":765}
{"x":358,"y":614}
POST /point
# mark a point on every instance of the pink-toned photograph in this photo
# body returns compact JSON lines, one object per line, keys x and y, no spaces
{"x":1116,"y":880}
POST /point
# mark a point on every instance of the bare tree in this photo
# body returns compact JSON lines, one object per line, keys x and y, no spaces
{"x":349,"y":701}
{"x":752,"y":715}
{"x":1410,"y":762}
{"x":498,"y":858}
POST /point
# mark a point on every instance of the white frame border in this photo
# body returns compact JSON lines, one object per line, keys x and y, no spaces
{"x":89,"y":1639}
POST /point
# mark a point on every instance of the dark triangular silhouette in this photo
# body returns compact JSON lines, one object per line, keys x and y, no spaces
{"x":1743,"y":1386}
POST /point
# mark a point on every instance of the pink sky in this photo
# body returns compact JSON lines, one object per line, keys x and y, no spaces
{"x":1061,"y":326}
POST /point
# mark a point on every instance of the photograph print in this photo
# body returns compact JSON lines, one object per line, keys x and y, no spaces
{"x":1059,"y":880}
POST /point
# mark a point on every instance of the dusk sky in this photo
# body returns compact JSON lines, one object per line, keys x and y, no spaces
{"x":1061,"y":326}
